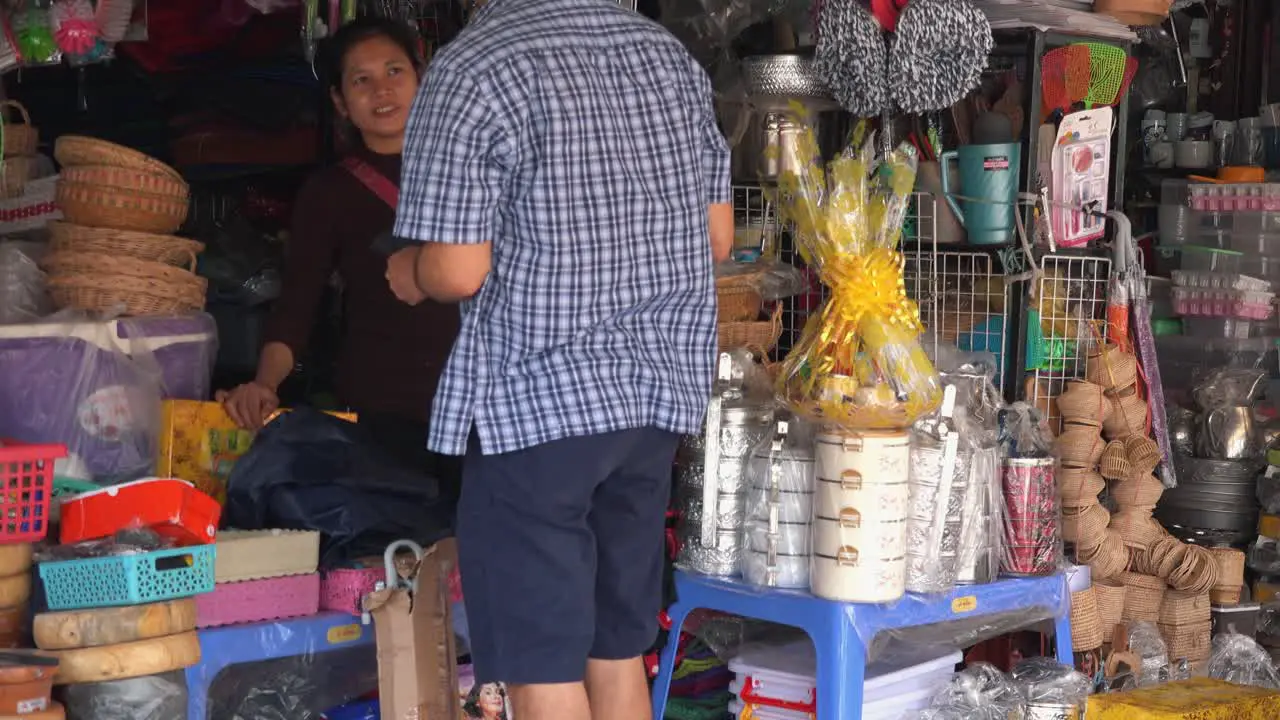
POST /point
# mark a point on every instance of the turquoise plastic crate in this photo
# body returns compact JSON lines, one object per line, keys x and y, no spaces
{"x":128,"y":579}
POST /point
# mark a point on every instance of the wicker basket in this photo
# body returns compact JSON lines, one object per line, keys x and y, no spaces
{"x":105,"y":207}
{"x":1109,"y":559}
{"x":1129,"y":416}
{"x":19,"y":139}
{"x":1167,"y":555}
{"x":1087,"y":526}
{"x":128,"y":179}
{"x":737,"y":303}
{"x":1192,"y":642}
{"x":1079,"y":446}
{"x":1137,"y":528}
{"x":1230,"y":576}
{"x":1114,"y":463}
{"x":1111,"y":367}
{"x":1079,"y":487}
{"x":1143,"y":596}
{"x":1140,"y":492}
{"x":14,"y":174}
{"x":760,"y":336}
{"x":167,"y":249}
{"x":1225,"y":596}
{"x":76,"y":150}
{"x":1083,"y":403}
{"x":104,"y":283}
{"x":1184,"y":608}
{"x":1143,"y":453}
{"x":1109,"y":597}
{"x":1086,"y":626}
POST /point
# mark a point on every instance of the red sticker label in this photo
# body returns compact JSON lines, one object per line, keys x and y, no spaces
{"x":996,"y":162}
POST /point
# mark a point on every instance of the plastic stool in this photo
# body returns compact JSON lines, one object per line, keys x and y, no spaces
{"x":834,"y":627}
{"x":223,"y":647}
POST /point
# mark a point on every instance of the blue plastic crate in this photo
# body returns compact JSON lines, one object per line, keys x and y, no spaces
{"x":128,"y":579}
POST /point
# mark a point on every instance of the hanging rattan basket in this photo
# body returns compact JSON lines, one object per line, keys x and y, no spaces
{"x":20,"y":138}
{"x":760,"y":335}
{"x":167,"y":249}
{"x":105,"y":207}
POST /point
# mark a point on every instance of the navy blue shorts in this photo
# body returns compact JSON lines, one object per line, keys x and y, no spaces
{"x":561,"y":547}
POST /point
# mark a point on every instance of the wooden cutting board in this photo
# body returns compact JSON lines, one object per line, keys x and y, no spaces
{"x":53,"y":712}
{"x":75,"y":629}
{"x":128,"y":660}
{"x":15,"y":559}
{"x":15,"y":589}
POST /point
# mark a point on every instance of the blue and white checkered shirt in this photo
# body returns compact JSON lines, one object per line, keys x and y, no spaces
{"x":580,"y":139}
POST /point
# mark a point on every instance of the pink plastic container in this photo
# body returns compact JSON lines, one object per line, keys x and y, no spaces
{"x":342,"y":589}
{"x":257,"y":600}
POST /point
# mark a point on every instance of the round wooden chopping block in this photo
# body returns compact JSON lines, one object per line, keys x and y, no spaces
{"x":75,"y":629}
{"x":15,"y":589}
{"x":53,"y":712}
{"x":15,"y":558}
{"x":128,"y":660}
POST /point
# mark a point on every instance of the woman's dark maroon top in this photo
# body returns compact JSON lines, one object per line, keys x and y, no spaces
{"x":392,"y":354}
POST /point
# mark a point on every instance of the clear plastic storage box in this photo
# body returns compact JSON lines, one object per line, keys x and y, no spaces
{"x":1196,"y":258}
{"x":1219,"y":281}
{"x":1244,"y":304}
{"x":1221,"y":327}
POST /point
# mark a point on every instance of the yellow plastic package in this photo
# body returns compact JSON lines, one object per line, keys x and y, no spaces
{"x":1194,"y":699}
{"x":858,"y":364}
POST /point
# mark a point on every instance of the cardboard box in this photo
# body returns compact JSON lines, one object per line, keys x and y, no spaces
{"x":1195,"y":699}
{"x":200,"y":443}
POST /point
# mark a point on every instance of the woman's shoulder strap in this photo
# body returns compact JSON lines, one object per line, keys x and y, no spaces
{"x":377,"y":183}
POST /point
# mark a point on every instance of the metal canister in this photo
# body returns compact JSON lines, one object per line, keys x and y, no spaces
{"x":1032,"y":535}
{"x":1053,"y":711}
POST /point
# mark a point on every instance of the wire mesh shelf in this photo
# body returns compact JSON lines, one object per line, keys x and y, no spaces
{"x":1071,"y":299}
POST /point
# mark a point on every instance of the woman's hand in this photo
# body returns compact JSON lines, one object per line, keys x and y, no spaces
{"x":250,"y":404}
{"x":402,"y":276}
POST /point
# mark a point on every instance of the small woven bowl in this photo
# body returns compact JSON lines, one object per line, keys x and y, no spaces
{"x":1114,"y":463}
{"x":1143,"y":453}
{"x":1130,"y":417}
{"x":1083,"y":403}
{"x":1079,"y":486}
{"x":1079,"y":447}
{"x":1111,"y":367}
{"x":1137,"y":492}
{"x":1087,"y":526}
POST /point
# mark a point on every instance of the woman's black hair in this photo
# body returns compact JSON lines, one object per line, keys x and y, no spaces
{"x":353,"y":33}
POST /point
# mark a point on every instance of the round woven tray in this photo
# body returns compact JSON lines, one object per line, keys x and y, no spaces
{"x":1109,"y":559}
{"x":1111,"y":367}
{"x":737,"y":303}
{"x":1143,"y":596}
{"x":1184,"y":608}
{"x":1110,"y":601}
{"x":761,"y":336}
{"x":104,"y":207}
{"x":167,"y":249}
{"x":20,"y":139}
{"x":1114,"y":463}
{"x":129,"y":179}
{"x":1086,"y":626}
{"x":74,"y":150}
{"x":107,"y":294}
{"x":1197,"y":573}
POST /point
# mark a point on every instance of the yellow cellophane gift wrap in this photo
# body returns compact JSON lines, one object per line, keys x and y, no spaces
{"x":858,"y":364}
{"x":1194,"y":699}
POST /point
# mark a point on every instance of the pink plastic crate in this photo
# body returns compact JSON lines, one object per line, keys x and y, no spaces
{"x":257,"y":600}
{"x":342,"y":589}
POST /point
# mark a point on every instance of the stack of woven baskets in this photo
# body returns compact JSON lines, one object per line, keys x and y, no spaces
{"x":116,"y":251}
{"x":739,"y":307}
{"x":1084,"y":409}
{"x":18,"y":142}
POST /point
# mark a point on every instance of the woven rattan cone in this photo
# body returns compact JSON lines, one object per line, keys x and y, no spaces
{"x":1083,"y":402}
{"x":1139,"y":491}
{"x":1088,"y":522}
{"x":1128,"y":417}
{"x":1079,"y":487}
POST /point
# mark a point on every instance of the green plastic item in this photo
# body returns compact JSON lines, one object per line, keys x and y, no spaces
{"x":1106,"y":73}
{"x":70,"y":486}
{"x":1166,"y":326}
{"x":1273,"y":457}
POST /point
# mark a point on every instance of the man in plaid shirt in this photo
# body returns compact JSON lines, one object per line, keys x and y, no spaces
{"x":565,"y":176}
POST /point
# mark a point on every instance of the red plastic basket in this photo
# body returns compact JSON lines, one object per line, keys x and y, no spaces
{"x":26,"y":486}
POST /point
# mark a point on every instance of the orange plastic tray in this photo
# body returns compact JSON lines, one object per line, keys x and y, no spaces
{"x":172,"y":508}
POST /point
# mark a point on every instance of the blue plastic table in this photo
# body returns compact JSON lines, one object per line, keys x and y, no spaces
{"x":838,"y":629}
{"x":223,"y":647}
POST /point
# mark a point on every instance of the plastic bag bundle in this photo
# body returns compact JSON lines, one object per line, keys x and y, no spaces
{"x":858,"y":364}
{"x":1241,"y":660}
{"x":979,"y":692}
{"x":1051,"y":687}
{"x":1146,"y":642}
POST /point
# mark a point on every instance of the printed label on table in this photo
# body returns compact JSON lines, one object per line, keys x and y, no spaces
{"x":344,"y":634}
{"x":32,"y":705}
{"x":965,"y":604}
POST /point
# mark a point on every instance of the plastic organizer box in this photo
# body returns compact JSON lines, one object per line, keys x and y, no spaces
{"x":257,"y":554}
{"x":257,"y":600}
{"x":128,"y":579}
{"x":1203,"y":302}
{"x":1239,"y":221}
{"x":26,"y":487}
{"x":1219,"y":281}
{"x":1235,"y":197}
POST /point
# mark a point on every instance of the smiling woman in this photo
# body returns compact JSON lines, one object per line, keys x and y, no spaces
{"x":391,"y":354}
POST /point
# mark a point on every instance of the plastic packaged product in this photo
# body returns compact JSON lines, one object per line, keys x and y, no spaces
{"x":152,"y":697}
{"x":1223,"y":303}
{"x":1253,"y":243}
{"x":1218,"y":281}
{"x":858,"y":364}
{"x":1241,"y":660}
{"x":780,"y":490}
{"x":1051,"y":688}
{"x":1030,"y":507}
{"x":1147,"y":643}
{"x":1245,"y":221}
{"x":984,"y":690}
